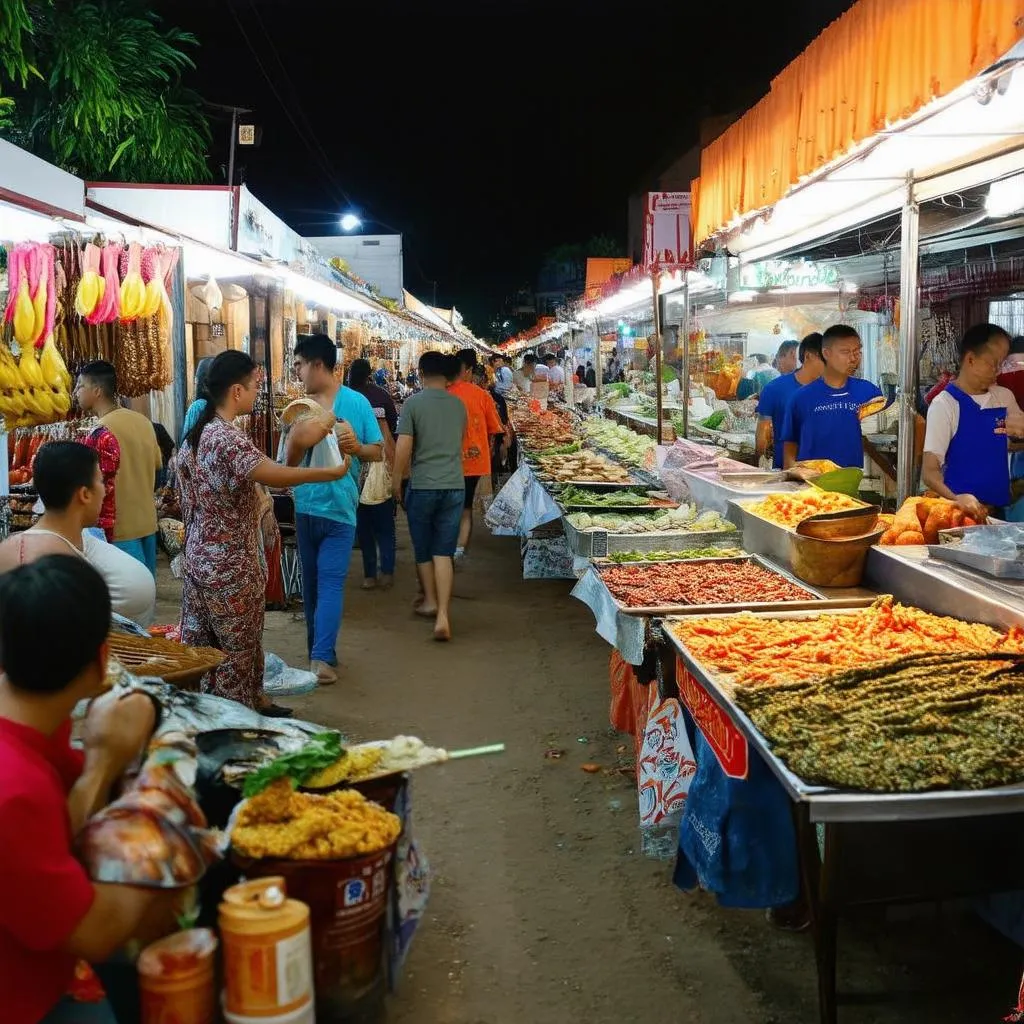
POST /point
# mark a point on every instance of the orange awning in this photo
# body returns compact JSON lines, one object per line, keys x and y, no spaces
{"x":877,"y":64}
{"x":600,"y":270}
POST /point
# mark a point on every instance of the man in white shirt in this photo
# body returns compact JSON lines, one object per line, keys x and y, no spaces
{"x":524,"y":376}
{"x":555,"y":374}
{"x":540,"y":368}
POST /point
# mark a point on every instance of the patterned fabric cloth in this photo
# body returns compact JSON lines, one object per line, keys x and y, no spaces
{"x":224,"y":577}
{"x":106,"y":447}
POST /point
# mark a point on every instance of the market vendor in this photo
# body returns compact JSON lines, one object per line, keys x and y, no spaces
{"x":771,"y":407}
{"x":823,"y":419}
{"x":966,"y":452}
{"x":52,"y":914}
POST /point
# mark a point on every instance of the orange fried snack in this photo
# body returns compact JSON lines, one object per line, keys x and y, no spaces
{"x":280,"y":823}
{"x":793,"y":508}
{"x":747,"y":650}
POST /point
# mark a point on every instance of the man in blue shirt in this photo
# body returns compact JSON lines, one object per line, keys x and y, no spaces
{"x":771,"y":408}
{"x":823,"y":418}
{"x":325,"y":514}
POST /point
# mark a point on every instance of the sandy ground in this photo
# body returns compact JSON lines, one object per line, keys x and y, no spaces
{"x":543,"y":910}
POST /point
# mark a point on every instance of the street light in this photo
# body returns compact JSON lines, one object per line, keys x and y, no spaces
{"x":349,"y":222}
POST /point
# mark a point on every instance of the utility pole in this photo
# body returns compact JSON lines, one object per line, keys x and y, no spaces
{"x":234,"y":112}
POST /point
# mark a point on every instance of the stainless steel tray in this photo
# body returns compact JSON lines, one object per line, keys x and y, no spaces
{"x":850,"y":805}
{"x":761,"y":536}
{"x":596,"y":543}
{"x":1000,"y":568}
{"x":814,"y":596}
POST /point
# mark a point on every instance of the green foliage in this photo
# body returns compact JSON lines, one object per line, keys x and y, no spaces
{"x":15,"y":30}
{"x":107,"y":101}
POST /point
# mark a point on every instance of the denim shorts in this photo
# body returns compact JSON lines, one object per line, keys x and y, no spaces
{"x":434,"y":518}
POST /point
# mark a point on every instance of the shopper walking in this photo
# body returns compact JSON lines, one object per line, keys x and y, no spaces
{"x":224,"y":579}
{"x":375,"y":522}
{"x":140,"y":461}
{"x":482,"y":425}
{"x":325,"y":513}
{"x":429,"y":448}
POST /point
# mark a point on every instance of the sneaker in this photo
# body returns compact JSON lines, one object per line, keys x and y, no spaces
{"x":325,"y":675}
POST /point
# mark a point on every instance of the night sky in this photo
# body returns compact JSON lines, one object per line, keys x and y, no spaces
{"x":487,"y":133}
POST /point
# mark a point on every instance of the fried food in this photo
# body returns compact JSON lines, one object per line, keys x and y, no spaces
{"x":746,"y":650}
{"x":790,"y":509}
{"x":280,"y":823}
{"x":928,"y":721}
{"x":356,"y":763}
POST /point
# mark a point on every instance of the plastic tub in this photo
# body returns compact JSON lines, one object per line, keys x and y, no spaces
{"x":303,"y":1015}
{"x":176,"y":979}
{"x":267,"y":959}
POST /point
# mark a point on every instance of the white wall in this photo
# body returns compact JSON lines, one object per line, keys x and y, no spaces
{"x":377,"y":259}
{"x":202,"y":213}
{"x":27,"y":175}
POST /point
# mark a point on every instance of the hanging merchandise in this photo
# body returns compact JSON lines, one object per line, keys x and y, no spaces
{"x":91,"y":285}
{"x":133,"y":288}
{"x":37,"y":387}
{"x":108,"y":306}
{"x":152,"y":277}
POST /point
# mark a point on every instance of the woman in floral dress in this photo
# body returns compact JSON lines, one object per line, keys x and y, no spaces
{"x":224,"y":569}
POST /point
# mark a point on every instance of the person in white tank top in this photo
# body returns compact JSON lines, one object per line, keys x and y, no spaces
{"x":70,"y":485}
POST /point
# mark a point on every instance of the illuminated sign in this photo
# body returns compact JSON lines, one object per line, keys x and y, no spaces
{"x":782,"y":275}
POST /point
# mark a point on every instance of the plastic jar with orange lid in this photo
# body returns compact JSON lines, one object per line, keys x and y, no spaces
{"x":176,"y":979}
{"x":268,"y":968}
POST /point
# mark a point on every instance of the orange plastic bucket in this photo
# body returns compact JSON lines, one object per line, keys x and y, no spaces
{"x":267,"y":957}
{"x":176,"y":979}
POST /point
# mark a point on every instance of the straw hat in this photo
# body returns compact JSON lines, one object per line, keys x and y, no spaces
{"x":303,"y":407}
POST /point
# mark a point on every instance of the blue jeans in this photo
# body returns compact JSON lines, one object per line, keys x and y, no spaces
{"x":375,"y":527}
{"x":142,"y":550}
{"x":325,"y":549}
{"x":434,"y":518}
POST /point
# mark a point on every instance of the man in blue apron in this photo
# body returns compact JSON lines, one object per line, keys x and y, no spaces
{"x":966,"y":456}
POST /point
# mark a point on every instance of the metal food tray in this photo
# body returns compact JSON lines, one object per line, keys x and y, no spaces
{"x":1000,"y":568}
{"x":815,"y":597}
{"x":840,"y":805}
{"x":595,"y":543}
{"x":762,"y":535}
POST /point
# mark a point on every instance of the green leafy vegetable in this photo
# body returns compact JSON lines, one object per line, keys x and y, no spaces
{"x":320,"y":752}
{"x":714,"y":421}
{"x":572,"y":495}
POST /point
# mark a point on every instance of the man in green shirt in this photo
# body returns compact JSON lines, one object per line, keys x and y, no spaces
{"x":429,"y":451}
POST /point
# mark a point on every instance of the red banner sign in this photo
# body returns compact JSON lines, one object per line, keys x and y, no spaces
{"x":728,"y":743}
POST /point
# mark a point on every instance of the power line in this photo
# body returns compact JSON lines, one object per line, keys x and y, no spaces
{"x":325,"y":159}
{"x":328,"y":173}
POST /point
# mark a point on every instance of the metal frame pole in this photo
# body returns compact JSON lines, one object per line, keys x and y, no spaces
{"x":655,"y":275}
{"x":909,"y":262}
{"x":684,"y":331}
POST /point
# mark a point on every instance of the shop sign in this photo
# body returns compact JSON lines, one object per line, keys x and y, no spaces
{"x":728,"y":743}
{"x":667,"y":229}
{"x":795,"y":276}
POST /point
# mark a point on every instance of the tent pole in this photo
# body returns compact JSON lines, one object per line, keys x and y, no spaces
{"x":909,"y":238}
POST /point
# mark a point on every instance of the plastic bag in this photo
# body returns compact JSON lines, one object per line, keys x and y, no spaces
{"x":377,"y":488}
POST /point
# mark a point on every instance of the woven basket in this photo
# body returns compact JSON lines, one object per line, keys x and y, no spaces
{"x":164,"y":659}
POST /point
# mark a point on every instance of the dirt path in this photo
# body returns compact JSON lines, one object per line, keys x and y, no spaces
{"x":543,"y":911}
